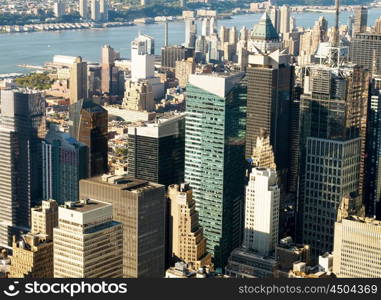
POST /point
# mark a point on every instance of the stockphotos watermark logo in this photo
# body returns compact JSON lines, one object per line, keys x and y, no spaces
{"x":71,"y":289}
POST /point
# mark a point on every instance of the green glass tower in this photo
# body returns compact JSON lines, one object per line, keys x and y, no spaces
{"x":215,"y":157}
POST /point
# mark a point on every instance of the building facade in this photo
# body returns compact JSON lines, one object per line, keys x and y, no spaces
{"x":89,"y":125}
{"x":140,"y":206}
{"x":64,"y":162}
{"x":156,"y":150}
{"x":214,"y":157}
{"x":88,"y":243}
{"x":21,"y":130}
{"x":188,"y":241}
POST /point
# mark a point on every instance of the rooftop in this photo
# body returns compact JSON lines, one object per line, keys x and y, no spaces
{"x":265,"y":30}
{"x":85,"y":205}
{"x":125,"y":183}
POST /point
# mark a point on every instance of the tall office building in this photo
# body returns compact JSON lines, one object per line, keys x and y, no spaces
{"x":262,"y":211}
{"x":59,"y":8}
{"x":33,"y":252}
{"x":190,"y":33}
{"x":110,"y":78}
{"x":188,"y":241}
{"x":95,"y":10}
{"x":357,"y":244}
{"x":274,"y":13}
{"x":366,"y":50}
{"x":64,"y":162}
{"x":361,"y":19}
{"x":156,"y":150}
{"x":21,"y":129}
{"x":140,"y":206}
{"x":142,"y":57}
{"x":78,"y":80}
{"x":332,"y":143}
{"x":270,"y":82}
{"x":143,"y":64}
{"x":103,"y":9}
{"x":89,"y":125}
{"x":84,"y":9}
{"x":214,"y":157}
{"x":256,"y":257}
{"x":170,"y":55}
{"x":285,"y":15}
{"x":88,"y":243}
{"x":372,"y":194}
{"x":205,"y":27}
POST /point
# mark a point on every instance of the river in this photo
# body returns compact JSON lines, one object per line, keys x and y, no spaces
{"x":36,"y":48}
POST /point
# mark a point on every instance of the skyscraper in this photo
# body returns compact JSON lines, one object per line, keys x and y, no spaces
{"x":142,"y":57}
{"x":214,"y":157}
{"x":188,"y":241}
{"x":190,"y":33}
{"x":361,"y":19}
{"x":372,"y":194}
{"x":156,"y":150}
{"x":170,"y":55}
{"x":78,"y":80}
{"x":65,"y":161}
{"x":270,"y":81}
{"x":262,"y":211}
{"x":84,"y":8}
{"x":284,"y":19}
{"x":103,"y":9}
{"x":332,"y":141}
{"x":366,"y":50}
{"x":140,"y":206}
{"x":109,"y":82}
{"x":21,"y":130}
{"x":256,"y":257}
{"x":274,"y":13}
{"x":357,"y":244}
{"x":89,"y":125}
{"x":95,"y":10}
{"x":59,"y":8}
{"x":143,"y":64}
{"x":88,"y":243}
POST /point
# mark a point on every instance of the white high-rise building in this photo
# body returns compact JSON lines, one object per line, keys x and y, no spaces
{"x":95,"y":10}
{"x":190,"y":33}
{"x":205,"y":27}
{"x":212,"y":26}
{"x":262,"y":211}
{"x":284,"y":19}
{"x":143,"y":64}
{"x":84,"y":8}
{"x":142,"y":58}
{"x":87,"y":242}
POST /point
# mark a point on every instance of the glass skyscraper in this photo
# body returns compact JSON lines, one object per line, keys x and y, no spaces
{"x":215,"y":157}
